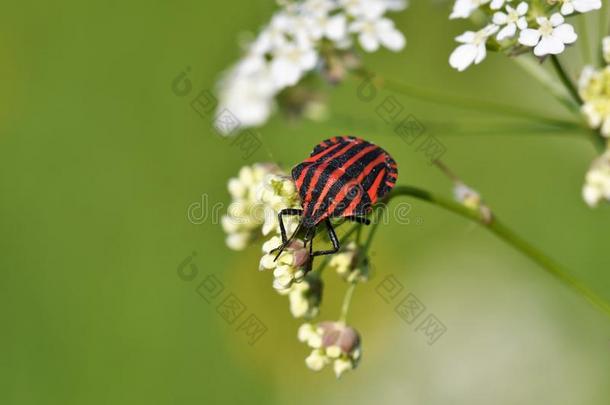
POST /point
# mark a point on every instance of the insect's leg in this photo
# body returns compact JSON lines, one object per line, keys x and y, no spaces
{"x":285,"y":240}
{"x":360,"y":220}
{"x":310,"y":261}
{"x":286,"y":212}
{"x":333,"y":239}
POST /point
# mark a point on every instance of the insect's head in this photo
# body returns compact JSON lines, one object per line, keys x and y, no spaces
{"x":307,"y":223}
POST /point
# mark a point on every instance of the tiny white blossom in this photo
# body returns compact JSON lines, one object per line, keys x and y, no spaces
{"x":550,"y":37}
{"x":606,"y":49}
{"x":597,"y":181}
{"x":396,"y":5}
{"x":594,"y":89}
{"x":289,"y":267}
{"x":289,"y":47}
{"x":348,"y":264}
{"x":582,"y":6}
{"x":472,"y":199}
{"x":473,"y":48}
{"x":332,"y":342}
{"x":247,"y":96}
{"x":331,"y":27}
{"x":513,"y":18}
{"x":258,"y":193}
{"x":305,"y":297}
{"x":359,"y":8}
{"x":373,"y":30}
{"x":497,"y":4}
{"x":464,"y":8}
{"x":290,"y":63}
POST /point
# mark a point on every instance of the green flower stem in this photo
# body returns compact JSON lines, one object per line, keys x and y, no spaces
{"x":454,"y":101}
{"x":597,"y":139}
{"x":565,"y":79}
{"x":347,"y":299}
{"x":506,"y":234}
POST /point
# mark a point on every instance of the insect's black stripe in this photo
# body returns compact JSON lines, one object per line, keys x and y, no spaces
{"x":297,"y":170}
{"x":371,"y":176}
{"x":333,"y":146}
{"x":319,"y":174}
{"x":308,"y":176}
{"x":351,"y":173}
{"x":325,"y":171}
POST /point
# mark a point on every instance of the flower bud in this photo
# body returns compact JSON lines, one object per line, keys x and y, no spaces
{"x":332,"y":342}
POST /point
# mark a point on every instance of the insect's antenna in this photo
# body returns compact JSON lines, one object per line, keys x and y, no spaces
{"x":296,"y":231}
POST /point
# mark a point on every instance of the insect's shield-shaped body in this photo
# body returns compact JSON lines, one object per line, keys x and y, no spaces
{"x":343,"y":177}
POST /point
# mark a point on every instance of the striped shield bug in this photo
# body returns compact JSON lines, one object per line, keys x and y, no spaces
{"x":342,"y":178}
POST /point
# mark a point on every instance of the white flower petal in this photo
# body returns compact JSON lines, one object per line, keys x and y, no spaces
{"x":567,"y":8}
{"x":481,"y":53}
{"x":507,"y":32}
{"x":565,"y":33}
{"x":463,"y":56}
{"x":522,"y":8}
{"x":368,"y":42}
{"x":500,"y":18}
{"x":556,"y":19}
{"x":393,"y":40}
{"x":496,"y":4}
{"x":337,"y":27}
{"x":549,"y":45}
{"x":529,"y":37}
{"x":584,"y":6}
{"x":466,"y":37}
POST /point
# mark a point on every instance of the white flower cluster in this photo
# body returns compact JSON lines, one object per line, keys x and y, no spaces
{"x":597,"y":181}
{"x":331,"y":342}
{"x":594,"y":89}
{"x":305,"y":297}
{"x":291,"y":45}
{"x":536,"y":24}
{"x":288,"y":268}
{"x":348,"y":264}
{"x":258,"y":193}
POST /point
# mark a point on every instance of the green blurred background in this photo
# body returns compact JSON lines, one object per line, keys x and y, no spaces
{"x":100,"y":161}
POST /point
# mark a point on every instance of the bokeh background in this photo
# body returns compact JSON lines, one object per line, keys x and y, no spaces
{"x":100,"y":162}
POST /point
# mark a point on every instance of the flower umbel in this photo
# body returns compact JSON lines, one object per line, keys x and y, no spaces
{"x":331,"y":342}
{"x":254,"y":199}
{"x":289,"y":267}
{"x":594,"y":89}
{"x":300,"y":38}
{"x":536,"y":24}
{"x":350,"y":265}
{"x":550,"y":37}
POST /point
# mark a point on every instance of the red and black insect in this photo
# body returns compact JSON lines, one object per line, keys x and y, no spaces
{"x":342,"y":178}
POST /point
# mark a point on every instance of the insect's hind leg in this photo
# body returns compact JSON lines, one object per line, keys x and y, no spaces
{"x":360,"y":220}
{"x":333,"y":239}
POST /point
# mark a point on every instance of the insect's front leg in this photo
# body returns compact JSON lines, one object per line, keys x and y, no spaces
{"x":286,"y":212}
{"x":333,"y":239}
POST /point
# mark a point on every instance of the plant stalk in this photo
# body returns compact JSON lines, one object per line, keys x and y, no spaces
{"x":510,"y":237}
